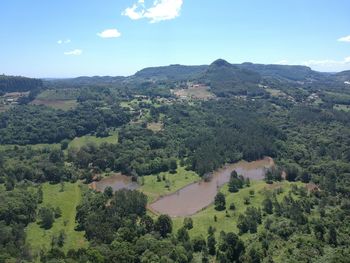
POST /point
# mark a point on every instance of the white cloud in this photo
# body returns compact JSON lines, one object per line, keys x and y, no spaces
{"x":109,"y":33}
{"x":282,"y":62}
{"x":60,"y":42}
{"x":160,"y":11}
{"x":75,"y":52}
{"x":344,"y":39}
{"x":329,"y":64}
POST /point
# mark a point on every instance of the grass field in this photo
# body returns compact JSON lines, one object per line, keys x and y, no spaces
{"x":275,"y":92}
{"x":201,"y":93}
{"x":342,"y":107}
{"x":154,"y":189}
{"x":59,"y":94}
{"x":155,"y":126}
{"x":67,"y":201}
{"x":205,"y":218}
{"x":81,"y":141}
{"x":63,"y":99}
{"x":56,"y":104}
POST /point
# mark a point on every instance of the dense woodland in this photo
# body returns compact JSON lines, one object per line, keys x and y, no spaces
{"x":310,"y":143}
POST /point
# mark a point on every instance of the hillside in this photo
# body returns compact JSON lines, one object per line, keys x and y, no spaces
{"x":284,"y":72}
{"x":227,"y":79}
{"x":172,"y":72}
{"x":18,"y":84}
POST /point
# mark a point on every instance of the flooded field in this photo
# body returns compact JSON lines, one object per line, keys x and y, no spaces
{"x":116,"y":181}
{"x":197,"y":196}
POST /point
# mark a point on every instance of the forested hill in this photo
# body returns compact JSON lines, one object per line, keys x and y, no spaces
{"x":18,"y":84}
{"x":284,"y":72}
{"x":343,"y":76}
{"x":172,"y":72}
{"x":229,"y":77}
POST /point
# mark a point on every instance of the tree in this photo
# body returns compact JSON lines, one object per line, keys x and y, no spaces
{"x":220,"y":201}
{"x":267,"y":206}
{"x":108,"y":192}
{"x":182,"y":235}
{"x":332,"y":235}
{"x":164,"y":225}
{"x":232,"y":206}
{"x":236,"y":182}
{"x":252,"y":256}
{"x":64,"y":144}
{"x":147,"y":223}
{"x":188,"y":223}
{"x":57,"y":212}
{"x":47,"y":217}
{"x":40,"y":194}
{"x":319,"y":230}
{"x":211,"y":244}
{"x":232,"y":248}
{"x":292,"y":171}
{"x":173,"y":165}
{"x":198,"y":243}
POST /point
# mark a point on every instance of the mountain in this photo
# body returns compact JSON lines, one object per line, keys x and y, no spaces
{"x":224,"y":78}
{"x":284,"y":72}
{"x":343,"y":76}
{"x":172,"y":72}
{"x":227,"y":79}
{"x":18,"y":84}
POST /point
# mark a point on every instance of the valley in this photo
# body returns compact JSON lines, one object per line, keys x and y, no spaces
{"x":177,"y":157}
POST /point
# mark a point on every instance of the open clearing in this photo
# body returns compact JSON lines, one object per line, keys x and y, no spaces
{"x":155,"y":126}
{"x":79,"y":142}
{"x":275,"y":92}
{"x":195,"y":92}
{"x":67,"y":201}
{"x":56,"y":104}
{"x":63,"y":99}
{"x":205,"y":218}
{"x":342,"y":107}
{"x":154,"y":188}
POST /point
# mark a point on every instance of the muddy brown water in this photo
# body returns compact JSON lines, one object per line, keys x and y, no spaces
{"x":197,"y":196}
{"x":116,"y":181}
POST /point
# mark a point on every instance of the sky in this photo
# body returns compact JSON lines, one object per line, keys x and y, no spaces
{"x":69,"y":38}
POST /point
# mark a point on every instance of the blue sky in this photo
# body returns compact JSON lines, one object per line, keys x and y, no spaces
{"x":41,"y":38}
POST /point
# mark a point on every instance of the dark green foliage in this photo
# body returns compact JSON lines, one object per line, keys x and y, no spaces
{"x":108,"y":191}
{"x":39,"y":124}
{"x":164,"y":225}
{"x":188,"y":223}
{"x":199,"y":244}
{"x":126,"y":202}
{"x":47,"y":217}
{"x":249,"y":220}
{"x":226,"y":79}
{"x":220,"y":202}
{"x":273,"y":174}
{"x":18,"y":206}
{"x":211,"y":244}
{"x":18,"y":84}
{"x":267,"y":206}
{"x":307,"y":141}
{"x":17,"y":210}
{"x":230,"y":249}
{"x":182,"y":235}
{"x":236,"y":182}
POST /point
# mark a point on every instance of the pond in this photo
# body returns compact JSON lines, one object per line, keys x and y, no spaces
{"x":116,"y":181}
{"x":197,"y":196}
